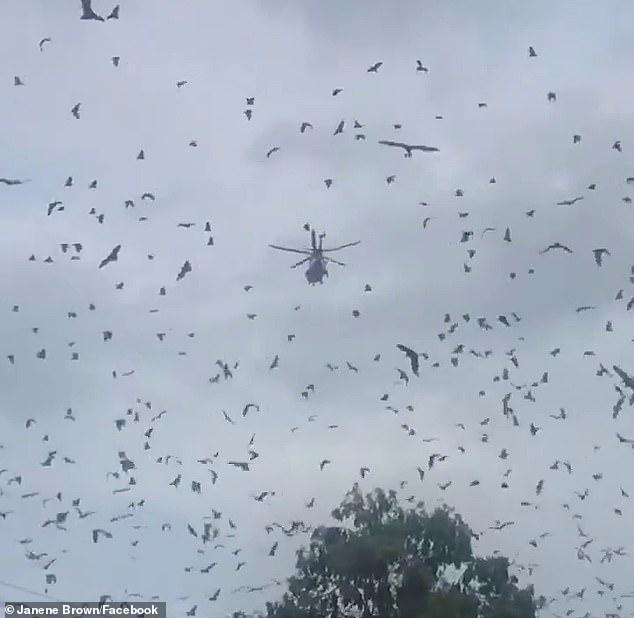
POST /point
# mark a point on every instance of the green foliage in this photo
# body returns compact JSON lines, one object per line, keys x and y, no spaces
{"x":384,"y":561}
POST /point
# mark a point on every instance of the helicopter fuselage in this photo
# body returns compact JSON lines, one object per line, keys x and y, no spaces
{"x":316,"y":270}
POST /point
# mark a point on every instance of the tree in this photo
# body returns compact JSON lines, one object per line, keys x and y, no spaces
{"x":388,"y":562}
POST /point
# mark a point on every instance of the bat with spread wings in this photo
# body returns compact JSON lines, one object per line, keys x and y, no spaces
{"x":409,"y":147}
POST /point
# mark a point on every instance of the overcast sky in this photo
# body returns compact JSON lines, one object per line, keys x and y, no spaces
{"x":290,"y":55}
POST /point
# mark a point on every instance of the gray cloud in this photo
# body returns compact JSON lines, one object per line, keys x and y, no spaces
{"x":290,"y":56}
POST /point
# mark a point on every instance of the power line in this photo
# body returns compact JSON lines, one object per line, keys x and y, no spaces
{"x":23,"y":589}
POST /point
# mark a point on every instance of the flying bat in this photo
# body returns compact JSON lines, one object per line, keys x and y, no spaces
{"x":87,"y":11}
{"x":598,"y":255}
{"x":186,"y":268}
{"x":250,"y":405}
{"x":10,"y":182}
{"x":100,"y":532}
{"x":52,"y":206}
{"x":113,"y":256}
{"x":570,"y":202}
{"x":408,"y":147}
{"x":627,"y":380}
{"x":412,"y":356}
{"x":240,"y":464}
{"x":556,"y":245}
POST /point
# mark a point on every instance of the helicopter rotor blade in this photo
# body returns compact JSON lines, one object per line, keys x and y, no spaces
{"x":301,"y":262}
{"x":304,"y":251}
{"x":350,"y":244}
{"x":329,"y":259}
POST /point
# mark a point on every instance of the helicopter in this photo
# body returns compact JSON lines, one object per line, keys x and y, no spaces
{"x":316,"y":259}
